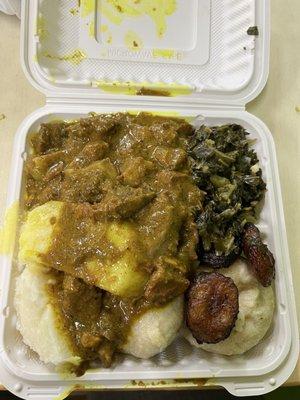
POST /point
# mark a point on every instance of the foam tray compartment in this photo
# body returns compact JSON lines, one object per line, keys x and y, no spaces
{"x":180,"y":359}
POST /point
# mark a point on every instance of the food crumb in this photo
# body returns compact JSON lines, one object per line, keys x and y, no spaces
{"x":297,"y":108}
{"x":109,"y":39}
{"x":253,"y":30}
{"x":2,"y":116}
{"x":133,"y":41}
{"x":144,"y":91}
{"x":74,"y":11}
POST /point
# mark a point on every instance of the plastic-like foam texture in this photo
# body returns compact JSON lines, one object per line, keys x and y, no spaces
{"x":229,"y":68}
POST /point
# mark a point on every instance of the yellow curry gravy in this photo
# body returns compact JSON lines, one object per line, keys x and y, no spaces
{"x":132,"y":169}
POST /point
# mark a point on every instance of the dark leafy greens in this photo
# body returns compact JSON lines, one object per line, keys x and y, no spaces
{"x":227,"y":170}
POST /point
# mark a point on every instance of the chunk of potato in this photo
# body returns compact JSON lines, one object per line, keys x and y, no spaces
{"x":121,"y":275}
{"x":121,"y":234}
{"x":122,"y":278}
{"x":37,"y":231}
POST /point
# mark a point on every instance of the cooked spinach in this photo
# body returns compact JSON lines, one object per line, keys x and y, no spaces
{"x":227,"y":170}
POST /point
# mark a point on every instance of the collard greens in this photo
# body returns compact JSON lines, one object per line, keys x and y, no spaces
{"x":227,"y":170}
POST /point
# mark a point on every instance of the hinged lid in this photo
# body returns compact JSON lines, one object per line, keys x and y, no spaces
{"x":202,"y":53}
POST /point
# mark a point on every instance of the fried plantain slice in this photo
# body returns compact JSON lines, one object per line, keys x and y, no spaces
{"x":259,"y":256}
{"x":212,"y":307}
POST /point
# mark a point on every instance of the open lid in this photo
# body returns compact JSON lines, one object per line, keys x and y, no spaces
{"x":208,"y":52}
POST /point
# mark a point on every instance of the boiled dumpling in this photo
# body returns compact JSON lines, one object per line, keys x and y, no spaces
{"x":256,"y":309}
{"x":151,"y":333}
{"x":39,"y":319}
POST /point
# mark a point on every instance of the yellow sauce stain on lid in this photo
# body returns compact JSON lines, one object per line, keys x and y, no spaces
{"x":74,"y":11}
{"x":41,"y":29}
{"x":8,"y":230}
{"x":163,"y":53}
{"x":135,"y":88}
{"x":116,"y":87}
{"x":107,"y":36}
{"x":110,"y":13}
{"x":133,"y":41}
{"x":118,"y":10}
{"x":87,"y":7}
{"x":76,"y":57}
{"x":92,"y":29}
{"x":109,"y":39}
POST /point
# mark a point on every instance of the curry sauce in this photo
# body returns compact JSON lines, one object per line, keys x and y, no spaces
{"x":127,"y":201}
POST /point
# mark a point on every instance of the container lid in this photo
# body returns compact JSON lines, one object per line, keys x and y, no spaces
{"x":208,"y":52}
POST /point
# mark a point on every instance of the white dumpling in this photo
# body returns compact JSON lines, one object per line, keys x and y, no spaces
{"x":155,"y":330}
{"x":39,"y":319}
{"x":256,"y":309}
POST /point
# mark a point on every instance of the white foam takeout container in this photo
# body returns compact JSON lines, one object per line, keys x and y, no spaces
{"x":224,"y":67}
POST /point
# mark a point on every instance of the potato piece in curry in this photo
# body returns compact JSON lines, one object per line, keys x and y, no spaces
{"x":110,"y":202}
